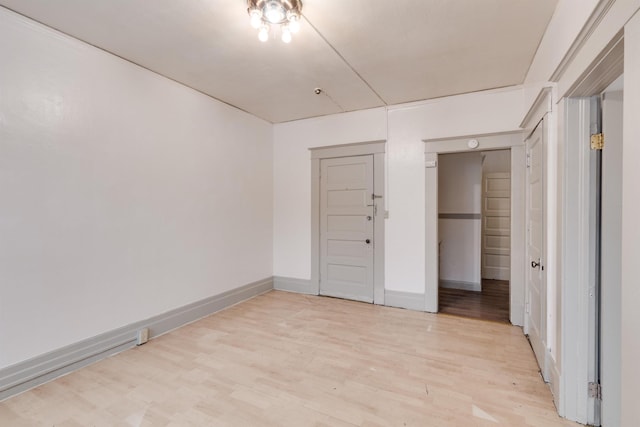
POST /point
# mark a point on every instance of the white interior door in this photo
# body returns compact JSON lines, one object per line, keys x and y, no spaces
{"x":611,"y":251}
{"x":347,"y":227}
{"x":496,"y":226}
{"x":536,"y":296}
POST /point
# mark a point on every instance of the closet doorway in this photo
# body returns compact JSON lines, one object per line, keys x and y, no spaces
{"x":474,"y":228}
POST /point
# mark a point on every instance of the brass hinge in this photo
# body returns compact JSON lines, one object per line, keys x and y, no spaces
{"x":595,"y":391}
{"x":597,"y":141}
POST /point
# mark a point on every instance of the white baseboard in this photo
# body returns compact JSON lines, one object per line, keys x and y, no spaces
{"x":554,"y":383}
{"x":408,"y":300}
{"x":465,"y":286}
{"x":40,"y":369}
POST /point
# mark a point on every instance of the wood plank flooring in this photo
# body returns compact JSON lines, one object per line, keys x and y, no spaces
{"x":490,"y":304}
{"x":285,"y":359}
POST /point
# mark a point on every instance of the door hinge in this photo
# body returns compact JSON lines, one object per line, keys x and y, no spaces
{"x":528,"y":160}
{"x":595,"y":391}
{"x":597,"y":141}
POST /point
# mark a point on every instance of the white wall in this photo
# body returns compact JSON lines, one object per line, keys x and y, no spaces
{"x":472,"y":114}
{"x":496,"y":161}
{"x":460,"y":182}
{"x":123,"y":194}
{"x":565,"y":25}
{"x":408,"y":125}
{"x":292,"y":179}
{"x":460,"y":192}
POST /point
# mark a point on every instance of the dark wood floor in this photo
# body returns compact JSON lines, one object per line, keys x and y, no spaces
{"x":490,"y":304}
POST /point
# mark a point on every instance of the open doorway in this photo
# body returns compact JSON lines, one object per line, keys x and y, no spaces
{"x":474,"y":228}
{"x":434,"y":150}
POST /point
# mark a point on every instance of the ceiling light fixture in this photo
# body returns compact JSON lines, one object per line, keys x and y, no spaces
{"x":265,"y":13}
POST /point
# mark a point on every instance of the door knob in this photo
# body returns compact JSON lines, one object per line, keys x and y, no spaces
{"x":369,"y":218}
{"x":368,"y":241}
{"x":535,"y":264}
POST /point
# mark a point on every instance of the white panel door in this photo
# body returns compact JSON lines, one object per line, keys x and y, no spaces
{"x":346,"y":227}
{"x":536,"y":295}
{"x":496,"y":226}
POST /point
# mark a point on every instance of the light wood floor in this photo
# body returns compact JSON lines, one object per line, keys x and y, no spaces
{"x":490,"y":304}
{"x":284,"y":359}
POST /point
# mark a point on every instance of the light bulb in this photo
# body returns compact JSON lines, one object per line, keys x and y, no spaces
{"x":263,"y":34}
{"x":274,"y":12}
{"x":294,"y":23}
{"x":256,"y":18}
{"x":286,"y":34}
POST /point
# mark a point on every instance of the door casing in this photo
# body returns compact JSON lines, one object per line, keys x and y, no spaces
{"x":579,"y":329}
{"x":610,"y":342}
{"x":495,"y":141}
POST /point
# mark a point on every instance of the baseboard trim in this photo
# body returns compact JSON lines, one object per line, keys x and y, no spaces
{"x":41,"y":369}
{"x":408,"y":300}
{"x":554,"y":380}
{"x":289,"y":284}
{"x":465,"y":286}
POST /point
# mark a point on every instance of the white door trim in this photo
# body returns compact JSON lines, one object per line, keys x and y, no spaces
{"x":377,"y":149}
{"x":577,"y":264}
{"x":578,"y":328}
{"x":610,"y":268}
{"x":504,"y":140}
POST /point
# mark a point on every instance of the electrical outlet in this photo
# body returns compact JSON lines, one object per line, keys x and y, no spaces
{"x":143,"y":336}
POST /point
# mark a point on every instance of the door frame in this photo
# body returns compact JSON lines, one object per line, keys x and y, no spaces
{"x":513,"y":140}
{"x":578,"y":303}
{"x":377,"y":149}
{"x":609,"y":343}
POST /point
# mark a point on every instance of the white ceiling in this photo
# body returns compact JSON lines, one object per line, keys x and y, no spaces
{"x":363,"y":53}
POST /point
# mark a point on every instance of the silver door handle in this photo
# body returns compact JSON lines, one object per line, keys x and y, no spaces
{"x":369,"y":217}
{"x":535,"y":264}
